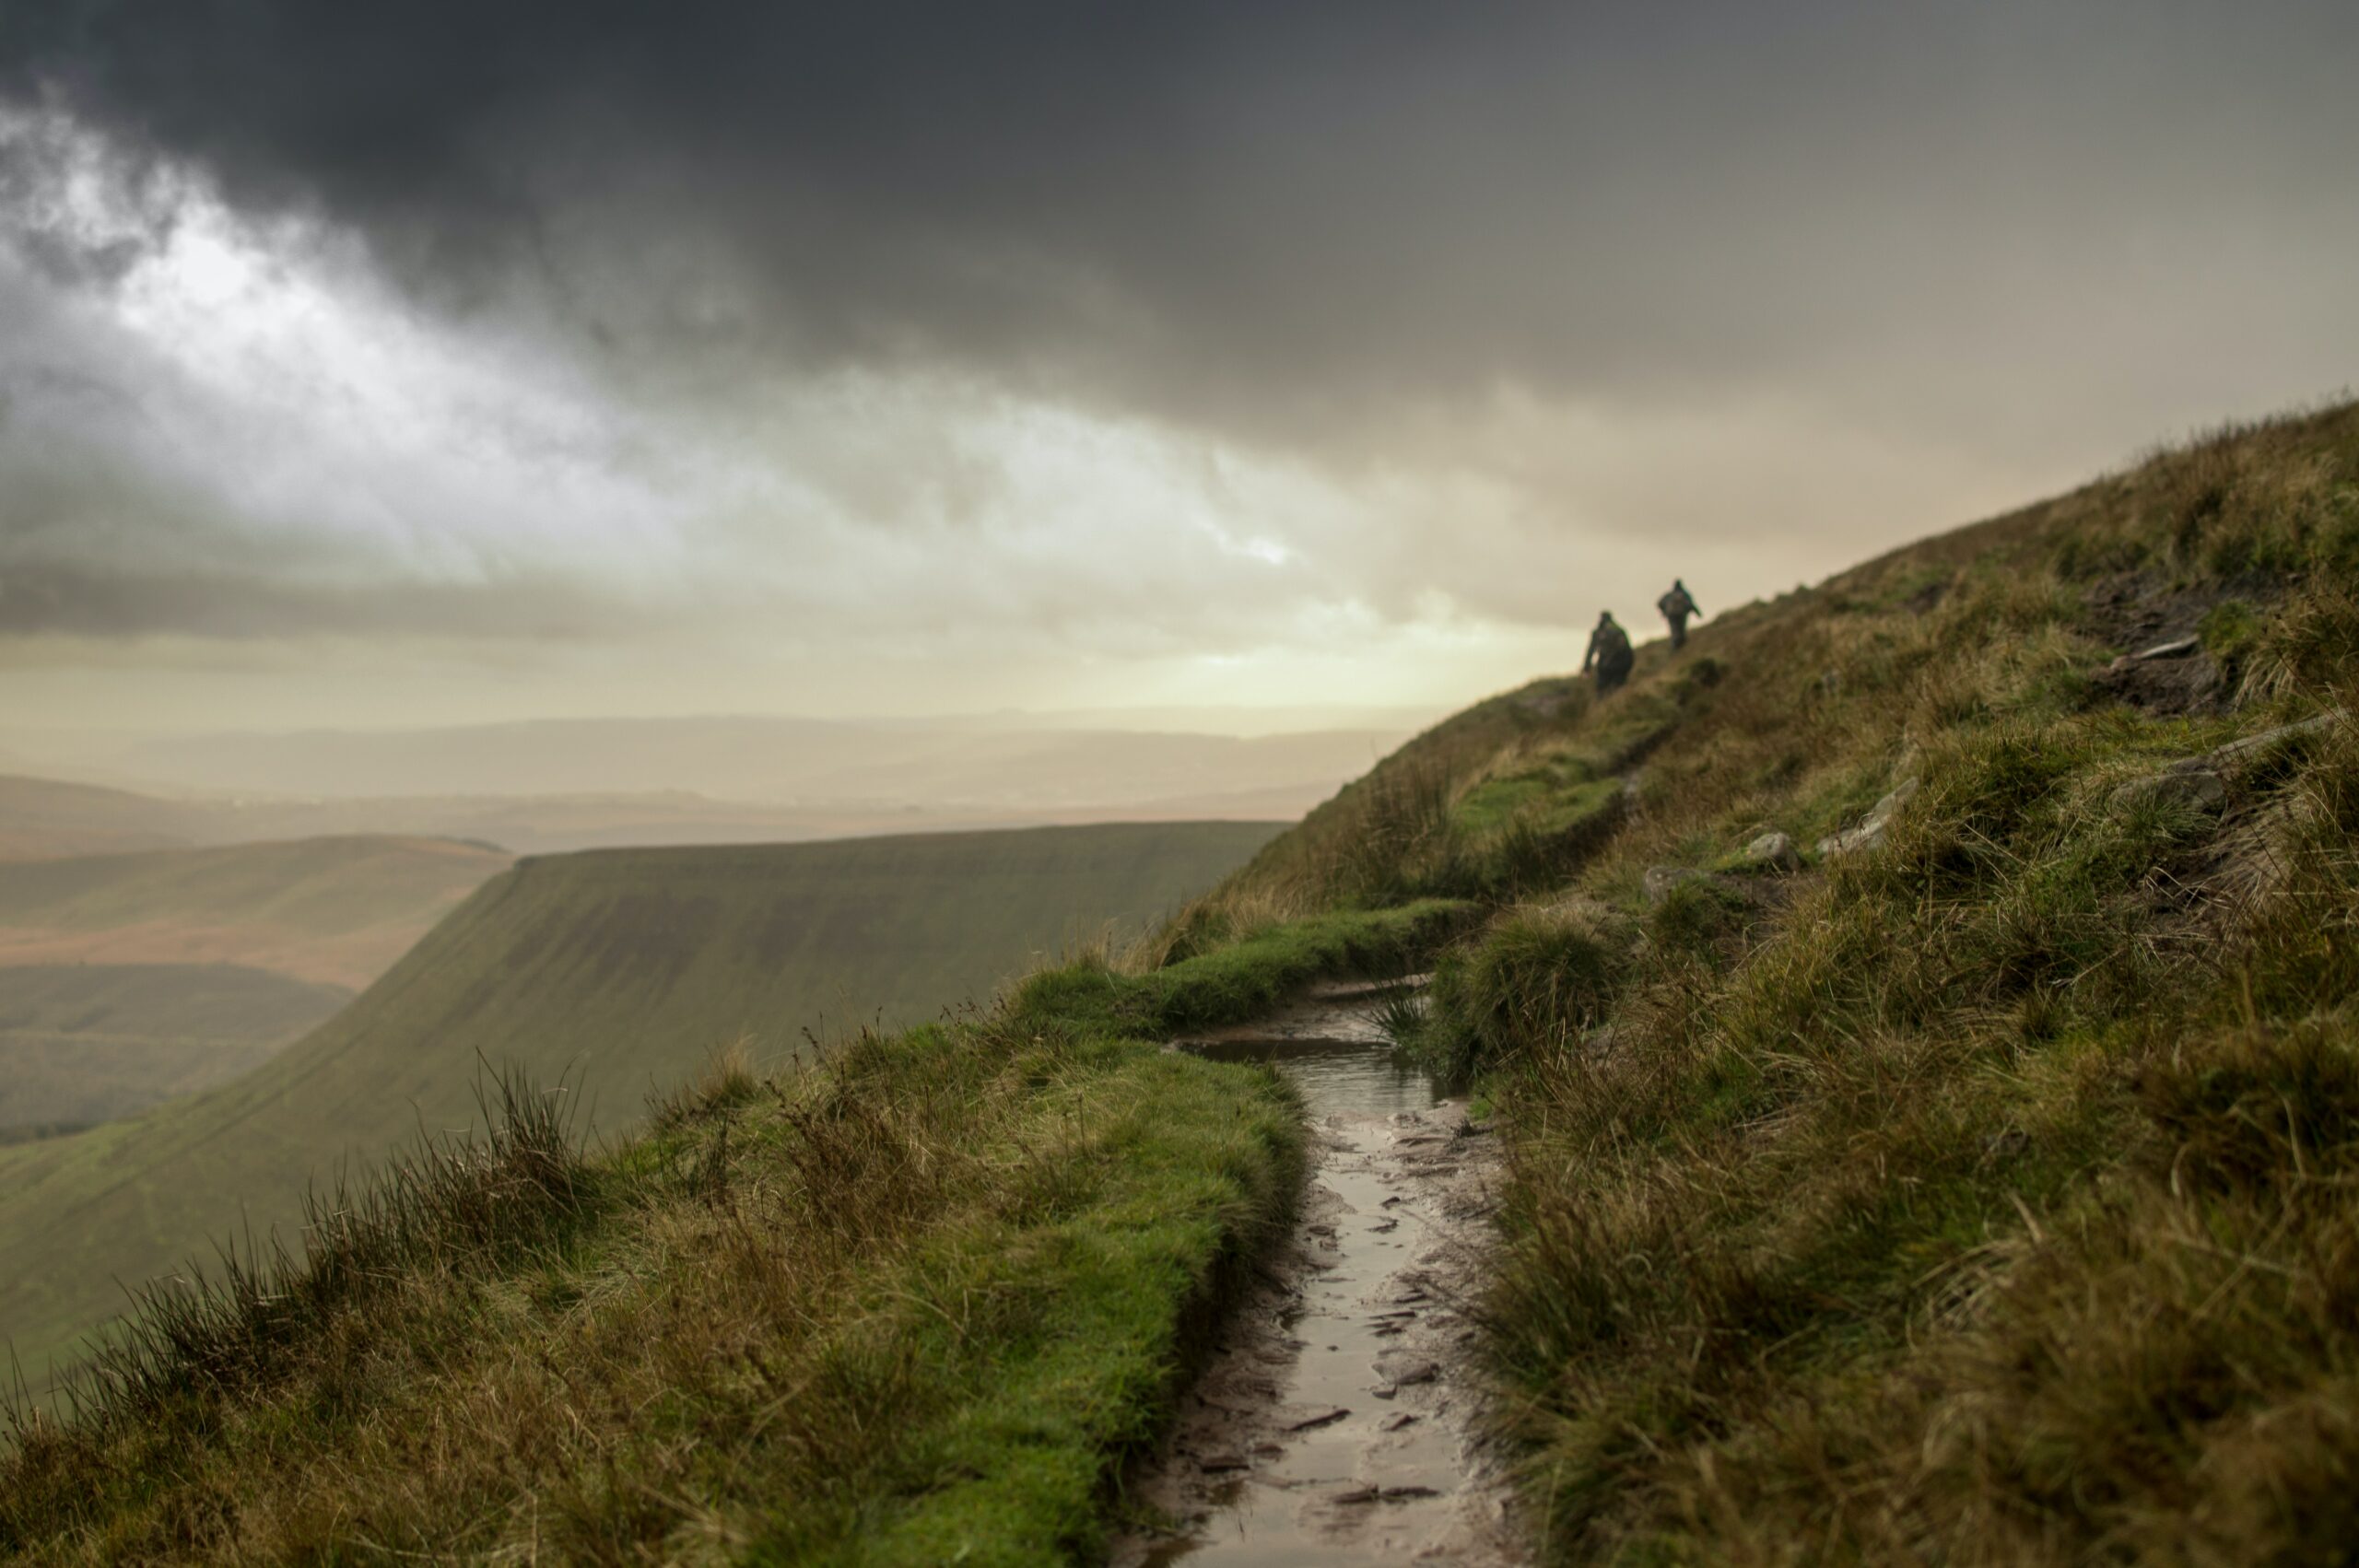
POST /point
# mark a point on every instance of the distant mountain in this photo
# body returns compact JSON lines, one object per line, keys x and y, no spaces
{"x":773,"y":761}
{"x":44,"y":817}
{"x":334,"y":911}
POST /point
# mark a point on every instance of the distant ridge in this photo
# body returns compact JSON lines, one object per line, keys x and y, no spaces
{"x":617,"y":970}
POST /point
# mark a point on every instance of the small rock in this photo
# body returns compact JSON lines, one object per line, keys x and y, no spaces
{"x":1311,"y":1419}
{"x":1410,"y":1372}
{"x":1660,"y":881}
{"x":1869,"y":833}
{"x":1774,"y":851}
{"x":2251,"y":746}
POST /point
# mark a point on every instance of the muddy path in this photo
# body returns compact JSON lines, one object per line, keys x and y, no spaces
{"x":1334,"y":1422}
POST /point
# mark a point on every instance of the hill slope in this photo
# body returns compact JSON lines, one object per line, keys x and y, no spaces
{"x":333,"y":911}
{"x":85,"y":1042}
{"x":41,"y":818}
{"x":1973,"y":1176}
{"x":615,"y":970}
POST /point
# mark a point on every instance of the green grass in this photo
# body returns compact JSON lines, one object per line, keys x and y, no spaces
{"x":1243,"y":979}
{"x":615,"y":972}
{"x":88,"y":1043}
{"x":914,"y":1303}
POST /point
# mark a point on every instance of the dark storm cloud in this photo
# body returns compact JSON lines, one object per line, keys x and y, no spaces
{"x":783,"y":312}
{"x":1250,"y":213}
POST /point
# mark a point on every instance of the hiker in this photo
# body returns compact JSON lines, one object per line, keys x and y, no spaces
{"x":1676,"y":607}
{"x":1609,"y":651}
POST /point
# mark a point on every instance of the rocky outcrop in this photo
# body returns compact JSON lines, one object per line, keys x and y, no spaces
{"x":2201,"y":783}
{"x":1869,"y":832}
{"x":1773,"y":853}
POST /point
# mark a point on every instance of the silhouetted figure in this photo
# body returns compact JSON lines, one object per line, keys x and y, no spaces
{"x":1676,"y":607}
{"x":1609,"y":651}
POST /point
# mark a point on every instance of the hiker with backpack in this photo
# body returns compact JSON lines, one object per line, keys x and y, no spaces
{"x":1676,"y":607}
{"x":1609,"y":654}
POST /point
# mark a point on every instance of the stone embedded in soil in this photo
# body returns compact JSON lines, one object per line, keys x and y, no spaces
{"x":1870,"y":832}
{"x":1405,"y":1372}
{"x":1360,"y":1496}
{"x":1774,"y":851}
{"x":1300,"y":1420}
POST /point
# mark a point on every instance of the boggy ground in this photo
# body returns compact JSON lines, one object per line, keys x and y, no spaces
{"x":1336,"y":1421}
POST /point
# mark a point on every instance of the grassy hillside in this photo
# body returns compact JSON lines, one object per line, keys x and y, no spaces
{"x":1970,"y":1176}
{"x":334,"y":911}
{"x":1979,"y":1188}
{"x":86,"y":1043}
{"x":618,"y":971}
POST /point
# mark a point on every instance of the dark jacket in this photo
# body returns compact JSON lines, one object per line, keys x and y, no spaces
{"x":1609,"y":647}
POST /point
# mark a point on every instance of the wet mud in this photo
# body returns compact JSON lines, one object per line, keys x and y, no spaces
{"x":1334,"y":1424}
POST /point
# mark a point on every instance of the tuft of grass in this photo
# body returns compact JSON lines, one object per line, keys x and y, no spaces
{"x":912,"y":1306}
{"x":1247,"y":978}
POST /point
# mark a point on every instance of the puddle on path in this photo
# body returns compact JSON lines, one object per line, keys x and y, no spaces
{"x":1332,"y":1424}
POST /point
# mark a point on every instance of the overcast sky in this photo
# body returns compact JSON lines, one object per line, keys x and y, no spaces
{"x":377,"y":362}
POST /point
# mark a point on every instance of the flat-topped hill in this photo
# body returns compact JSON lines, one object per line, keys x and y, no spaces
{"x":618,"y":971}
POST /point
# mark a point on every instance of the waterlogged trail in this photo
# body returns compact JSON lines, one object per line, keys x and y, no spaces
{"x":1333,"y":1422}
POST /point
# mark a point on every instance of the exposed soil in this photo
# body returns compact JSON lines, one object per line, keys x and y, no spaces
{"x":1334,"y":1424}
{"x":2162,"y":670}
